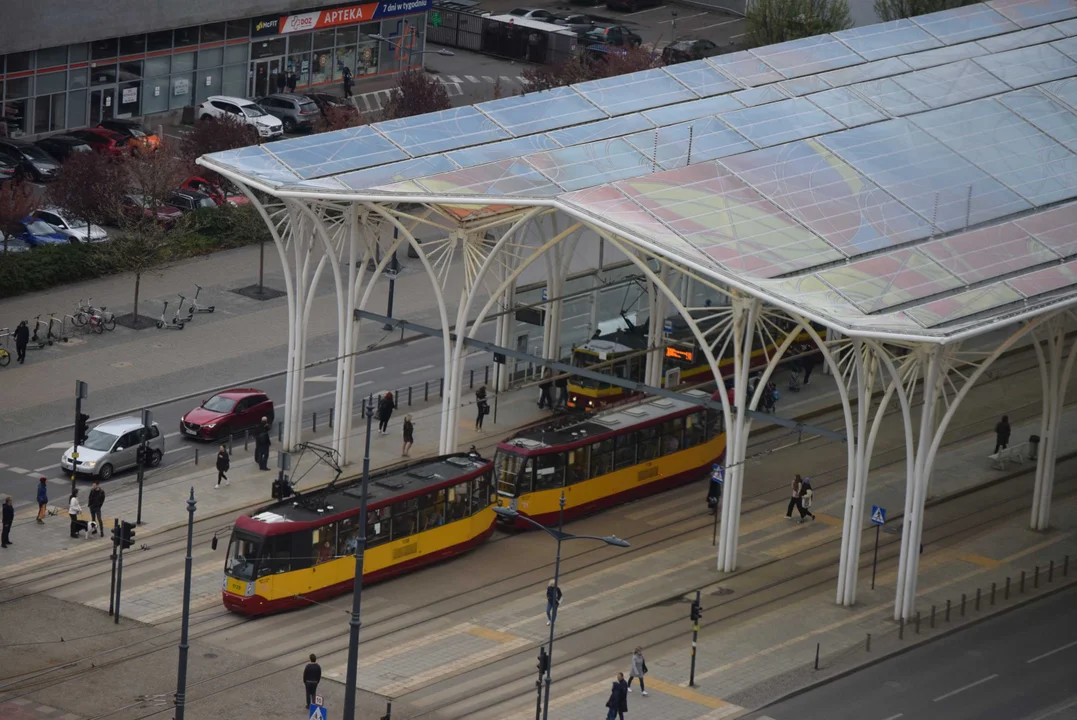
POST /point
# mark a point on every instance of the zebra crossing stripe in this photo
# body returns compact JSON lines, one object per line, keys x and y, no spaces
{"x":455,"y":79}
{"x":471,"y":78}
{"x":488,"y":79}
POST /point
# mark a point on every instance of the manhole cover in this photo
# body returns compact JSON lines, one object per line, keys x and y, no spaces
{"x":722,"y":591}
{"x":121,"y":364}
{"x":209,"y":656}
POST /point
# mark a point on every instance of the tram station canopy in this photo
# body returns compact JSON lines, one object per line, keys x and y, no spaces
{"x":915,"y":179}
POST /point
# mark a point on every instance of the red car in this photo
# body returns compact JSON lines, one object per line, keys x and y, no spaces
{"x":227,"y":413}
{"x":103,"y":141}
{"x":216,"y":192}
{"x":135,"y":205}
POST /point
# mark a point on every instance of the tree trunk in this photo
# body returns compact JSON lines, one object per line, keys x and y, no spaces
{"x":138,"y":283}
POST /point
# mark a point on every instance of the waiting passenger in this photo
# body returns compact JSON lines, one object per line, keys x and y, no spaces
{"x":325,"y":553}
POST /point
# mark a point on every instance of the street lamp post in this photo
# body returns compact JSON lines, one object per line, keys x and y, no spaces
{"x":357,"y":588}
{"x":184,"y":646}
{"x":559,"y":535}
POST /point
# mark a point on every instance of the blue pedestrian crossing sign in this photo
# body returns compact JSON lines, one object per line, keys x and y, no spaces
{"x":317,"y":712}
{"x":718,"y":474}
{"x":667,"y":327}
{"x":878,"y":515}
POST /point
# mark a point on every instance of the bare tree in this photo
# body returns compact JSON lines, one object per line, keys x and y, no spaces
{"x":775,"y":21}
{"x":88,"y":187}
{"x":17,"y":200}
{"x":416,"y":93}
{"x":215,"y":135}
{"x":896,"y":9}
{"x":583,"y":67}
{"x":339,"y":118}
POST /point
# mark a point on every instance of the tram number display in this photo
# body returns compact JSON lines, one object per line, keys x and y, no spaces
{"x":676,"y":353}
{"x":237,"y":587}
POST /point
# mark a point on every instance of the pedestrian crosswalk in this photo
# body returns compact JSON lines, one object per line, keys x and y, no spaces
{"x":454,"y":85}
{"x":490,"y":79}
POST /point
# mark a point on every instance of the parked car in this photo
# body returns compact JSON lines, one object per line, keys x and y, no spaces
{"x":630,"y":6}
{"x":617,"y":35}
{"x":113,"y":446}
{"x":245,"y":111}
{"x":575,"y":22}
{"x":31,"y":162}
{"x":586,"y":3}
{"x":74,"y":230}
{"x":533,"y":14}
{"x":138,"y":137}
{"x":215,"y":192}
{"x":296,"y":112}
{"x":688,"y":49}
{"x":135,"y":205}
{"x":103,"y":141}
{"x":190,"y":200}
{"x":35,"y":233}
{"x":62,"y":147}
{"x":8,"y":169}
{"x":227,"y":413}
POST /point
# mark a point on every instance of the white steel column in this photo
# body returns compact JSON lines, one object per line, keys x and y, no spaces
{"x":1054,"y":377}
{"x":656,"y":337}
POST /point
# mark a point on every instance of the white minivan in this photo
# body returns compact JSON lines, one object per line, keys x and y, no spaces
{"x":113,"y":446}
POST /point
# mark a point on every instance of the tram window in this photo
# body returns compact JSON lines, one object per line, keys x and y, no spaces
{"x":480,"y":491}
{"x":277,"y":555}
{"x":432,"y":510}
{"x":577,"y":465}
{"x":324,"y":543}
{"x":242,"y":557}
{"x":549,"y":471}
{"x":671,"y":435}
{"x":347,"y":536}
{"x":714,"y":424}
{"x":457,"y":508}
{"x":513,"y":473}
{"x":648,"y":444}
{"x":601,"y":457}
{"x":404,"y":514}
{"x":694,"y":430}
{"x":624,"y":454}
{"x":377,"y":526}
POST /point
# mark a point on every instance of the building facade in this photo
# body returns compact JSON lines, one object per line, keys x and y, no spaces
{"x":84,"y":80}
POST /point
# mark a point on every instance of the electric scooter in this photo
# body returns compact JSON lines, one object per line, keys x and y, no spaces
{"x":37,"y":339}
{"x":174,"y":324}
{"x":196,"y":308}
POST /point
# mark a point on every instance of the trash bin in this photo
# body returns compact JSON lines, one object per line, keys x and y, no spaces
{"x":1033,"y":447}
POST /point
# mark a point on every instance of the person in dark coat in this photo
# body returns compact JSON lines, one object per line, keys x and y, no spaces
{"x":96,"y":501}
{"x":312,"y":675}
{"x":42,"y":500}
{"x":409,"y":435}
{"x":561,"y":383}
{"x":346,"y":80}
{"x":553,"y":599}
{"x":1002,"y":434}
{"x":794,"y":500}
{"x":385,"y":411}
{"x":223,"y":463}
{"x":544,"y":387}
{"x":8,"y":519}
{"x":261,"y":445}
{"x":281,"y":81}
{"x":618,"y":702}
{"x":22,"y":339}
{"x":481,"y":406}
{"x":293,"y":80}
{"x":807,"y":361}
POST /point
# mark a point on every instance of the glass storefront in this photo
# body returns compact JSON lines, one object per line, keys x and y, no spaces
{"x":72,"y":86}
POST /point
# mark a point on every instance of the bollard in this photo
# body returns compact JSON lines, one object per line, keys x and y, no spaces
{"x":867,"y":644}
{"x":947,"y":610}
{"x":196,"y":456}
{"x":246,"y":437}
{"x":1051,"y":572}
{"x":441,"y":388}
{"x":280,"y":431}
{"x":426,"y":391}
{"x":1036,"y":578}
{"x":901,"y":628}
{"x":471,"y":382}
{"x":409,"y":395}
{"x":485,"y":374}
{"x":962,"y":604}
{"x":1006,"y":590}
{"x":314,"y":424}
{"x":231,"y":438}
{"x":816,"y":656}
{"x":932,"y":616}
{"x":917,"y":622}
{"x":977,"y":599}
{"x":992,"y":593}
{"x":331,"y":409}
{"x":1022,"y":582}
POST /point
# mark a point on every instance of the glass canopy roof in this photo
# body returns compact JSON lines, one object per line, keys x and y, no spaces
{"x":914,"y":178}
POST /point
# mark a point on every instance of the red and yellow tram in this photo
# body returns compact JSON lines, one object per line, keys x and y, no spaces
{"x":302,"y":549}
{"x":613,"y":456}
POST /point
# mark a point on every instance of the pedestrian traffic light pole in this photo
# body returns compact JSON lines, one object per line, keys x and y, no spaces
{"x":81,"y":391}
{"x":184,"y":646}
{"x":357,"y":588}
{"x":147,"y":423}
{"x":112,"y":582}
{"x":697,"y":615}
{"x":559,"y":535}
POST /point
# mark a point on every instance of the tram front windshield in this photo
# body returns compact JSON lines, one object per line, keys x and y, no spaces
{"x":243,"y":551}
{"x":513,"y":473}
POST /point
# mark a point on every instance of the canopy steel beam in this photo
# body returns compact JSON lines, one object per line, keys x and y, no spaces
{"x":599,"y":377}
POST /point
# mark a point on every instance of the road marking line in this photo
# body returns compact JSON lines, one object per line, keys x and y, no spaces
{"x":829,"y":520}
{"x":895,"y":717}
{"x":364,"y":372}
{"x":640,"y":12}
{"x":981,"y":681}
{"x":1067,"y":646}
{"x":363,"y":384}
{"x":685,"y":694}
{"x":488,"y":79}
{"x":172,"y":434}
{"x":455,"y":79}
{"x":471,"y":78}
{"x":19,"y":470}
{"x":488,"y":634}
{"x":415,"y":370}
{"x":3,"y":465}
{"x":738,"y":36}
{"x":319,"y":395}
{"x":980,"y":560}
{"x":1055,"y":711}
{"x":321,"y":378}
{"x":56,"y":446}
{"x":40,"y":470}
{"x":686,"y":17}
{"x":726,"y":22}
{"x":505,"y":79}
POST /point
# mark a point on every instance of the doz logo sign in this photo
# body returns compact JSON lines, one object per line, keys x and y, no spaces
{"x":297,"y":23}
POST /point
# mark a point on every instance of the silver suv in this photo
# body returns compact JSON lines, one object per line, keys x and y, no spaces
{"x":297,"y":112}
{"x":113,"y":446}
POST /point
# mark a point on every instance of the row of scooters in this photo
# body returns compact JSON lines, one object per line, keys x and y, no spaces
{"x":178,"y":321}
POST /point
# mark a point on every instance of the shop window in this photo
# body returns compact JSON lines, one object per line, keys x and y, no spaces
{"x":300,"y":65}
{"x":155,"y":95}
{"x":15,"y":115}
{"x":370,"y":28}
{"x":321,"y":70}
{"x":214,"y":57}
{"x":130,"y":100}
{"x":366,"y":61}
{"x":299,"y":43}
{"x":17,"y":62}
{"x":77,"y":79}
{"x":157,"y":41}
{"x":209,"y":83}
{"x":17,"y":88}
{"x":238,"y":28}
{"x":235,"y":81}
{"x":183,"y":62}
{"x":52,"y":57}
{"x":345,"y":58}
{"x":214,"y":32}
{"x":133,"y":45}
{"x":268,"y":48}
{"x":103,"y":74}
{"x":158,"y":66}
{"x":181,"y":94}
{"x":185,"y":37}
{"x":51,"y":83}
{"x":76,"y":109}
{"x":347,"y":36}
{"x":235,"y":54}
{"x":324,"y":39}
{"x":104,"y":49}
{"x":130,"y":71}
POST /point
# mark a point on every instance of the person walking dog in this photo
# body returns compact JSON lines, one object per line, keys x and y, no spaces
{"x":74,"y":509}
{"x":96,"y":502}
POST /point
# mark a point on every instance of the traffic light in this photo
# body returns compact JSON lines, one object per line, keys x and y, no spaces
{"x":281,"y":489}
{"x":117,"y":536}
{"x":140,"y":454}
{"x":543,"y":661}
{"x":127,"y":534}
{"x":82,"y":429}
{"x":697,"y":612}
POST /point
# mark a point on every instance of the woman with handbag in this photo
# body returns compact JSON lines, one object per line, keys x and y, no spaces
{"x":74,"y":509}
{"x":637,"y":670}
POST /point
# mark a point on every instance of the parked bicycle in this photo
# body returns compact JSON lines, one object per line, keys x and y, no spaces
{"x":195,"y":307}
{"x":176,"y":323}
{"x":85,"y":313}
{"x":5,"y":356}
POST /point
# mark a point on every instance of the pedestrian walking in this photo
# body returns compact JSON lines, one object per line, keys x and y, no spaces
{"x":638,"y":670}
{"x":1002,"y":434}
{"x":8,"y":519}
{"x":42,"y":500}
{"x":409,"y":435}
{"x":74,"y":509}
{"x":346,"y":80}
{"x":794,"y":501}
{"x":385,"y":411}
{"x":281,"y":82}
{"x":807,"y":361}
{"x":293,"y":80}
{"x":312,"y":675}
{"x":806,"y":495}
{"x":795,"y":369}
{"x":96,"y":501}
{"x":481,"y":406}
{"x":618,"y":702}
{"x":562,"y":391}
{"x":544,"y":390}
{"x":223,"y":463}
{"x":261,"y":445}
{"x":22,"y":339}
{"x":553,"y":599}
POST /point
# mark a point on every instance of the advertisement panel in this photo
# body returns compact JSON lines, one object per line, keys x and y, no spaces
{"x":350,"y":15}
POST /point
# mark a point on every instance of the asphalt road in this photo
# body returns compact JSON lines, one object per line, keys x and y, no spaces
{"x":1018,"y":666}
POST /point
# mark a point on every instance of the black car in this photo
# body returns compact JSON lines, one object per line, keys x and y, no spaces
{"x":32,"y":161}
{"x":190,"y":200}
{"x":62,"y":147}
{"x":688,"y":49}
